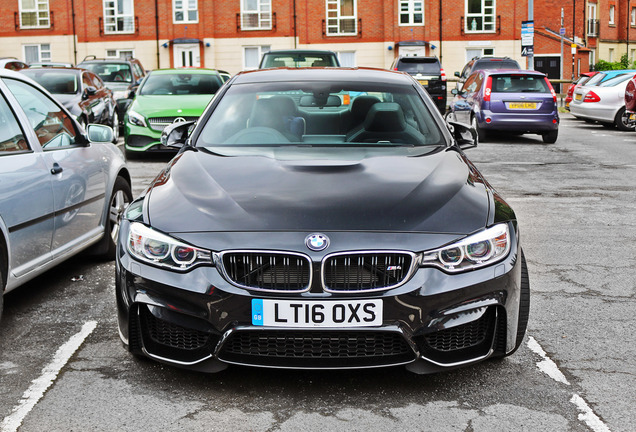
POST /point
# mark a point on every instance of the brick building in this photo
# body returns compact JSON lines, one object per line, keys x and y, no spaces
{"x":232,"y":34}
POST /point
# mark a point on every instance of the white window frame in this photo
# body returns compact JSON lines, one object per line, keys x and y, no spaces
{"x":342,"y":54}
{"x":262,"y":12}
{"x":335,"y":17}
{"x":261,"y":50}
{"x":632,"y":15}
{"x":488,"y":15}
{"x":612,"y":12}
{"x":185,"y":7}
{"x":111,"y":13}
{"x":41,"y":8}
{"x":592,"y":28}
{"x":119,"y":52}
{"x":44,"y":52}
{"x":410,"y":8}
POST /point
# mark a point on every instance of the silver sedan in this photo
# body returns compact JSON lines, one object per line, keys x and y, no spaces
{"x":604,"y":103}
{"x":62,"y":188}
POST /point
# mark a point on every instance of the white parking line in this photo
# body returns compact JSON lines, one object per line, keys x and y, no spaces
{"x":550,"y":368}
{"x":38,"y":386}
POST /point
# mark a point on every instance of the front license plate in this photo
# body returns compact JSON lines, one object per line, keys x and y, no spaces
{"x":424,"y":82}
{"x":291,"y":313}
{"x":522,"y":105}
{"x":578,"y":96}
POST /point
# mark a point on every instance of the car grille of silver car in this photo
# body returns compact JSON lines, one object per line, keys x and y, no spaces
{"x":268,"y":271}
{"x":366,"y":271}
{"x":160,"y":123}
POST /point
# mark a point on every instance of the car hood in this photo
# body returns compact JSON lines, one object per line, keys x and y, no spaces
{"x":203,"y":192}
{"x":168,"y":105}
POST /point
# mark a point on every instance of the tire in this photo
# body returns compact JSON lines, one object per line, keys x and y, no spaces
{"x":482,"y":135}
{"x":524,"y":305}
{"x":622,"y":120}
{"x":119,"y":200}
{"x":115,"y":126}
{"x":550,"y":137}
{"x":1,"y":292}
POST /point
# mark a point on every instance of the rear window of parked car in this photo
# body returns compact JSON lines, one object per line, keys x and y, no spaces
{"x":519,"y":84}
{"x":421,"y":65}
{"x":181,"y":84}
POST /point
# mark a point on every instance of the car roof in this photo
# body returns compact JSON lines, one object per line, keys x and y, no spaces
{"x":299,"y":51}
{"x":117,"y":60}
{"x":511,"y":71}
{"x":57,"y":68}
{"x":330,"y":74}
{"x":172,"y":71}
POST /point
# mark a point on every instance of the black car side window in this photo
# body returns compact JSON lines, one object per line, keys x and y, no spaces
{"x":11,"y":136}
{"x":53,"y":127}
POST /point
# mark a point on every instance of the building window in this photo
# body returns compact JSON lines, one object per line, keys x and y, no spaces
{"x":611,"y":55}
{"x":347,"y":58}
{"x":119,"y":16}
{"x":633,"y":17}
{"x":411,"y":12}
{"x":480,"y":16}
{"x":471,"y":53}
{"x":120,"y":54}
{"x":256,"y":14}
{"x":185,"y":11}
{"x":341,"y":17}
{"x":611,"y":14}
{"x":34,"y":14}
{"x":35,"y":53}
{"x":252,"y":56}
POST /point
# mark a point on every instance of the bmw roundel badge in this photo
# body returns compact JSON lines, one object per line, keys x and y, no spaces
{"x":317,"y":242}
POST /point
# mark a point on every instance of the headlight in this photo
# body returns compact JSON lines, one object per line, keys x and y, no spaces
{"x":156,"y":248}
{"x":136,"y":119}
{"x":479,"y":250}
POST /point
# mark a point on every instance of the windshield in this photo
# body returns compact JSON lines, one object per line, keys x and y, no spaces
{"x":496,"y":64}
{"x":180,"y":84}
{"x":297,"y":60}
{"x":419,"y":65}
{"x":56,"y":82}
{"x":110,"y":72}
{"x":596,"y":79}
{"x":515,"y":83}
{"x":315,"y":114}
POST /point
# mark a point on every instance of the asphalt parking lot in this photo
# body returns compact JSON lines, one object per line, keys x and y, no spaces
{"x":62,"y":367}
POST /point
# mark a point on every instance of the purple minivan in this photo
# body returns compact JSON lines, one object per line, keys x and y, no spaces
{"x":518,"y":101}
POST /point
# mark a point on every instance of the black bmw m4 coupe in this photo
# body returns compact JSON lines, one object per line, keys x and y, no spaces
{"x":321,"y":218}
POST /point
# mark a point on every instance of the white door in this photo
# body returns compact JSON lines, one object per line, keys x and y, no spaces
{"x":187,"y":55}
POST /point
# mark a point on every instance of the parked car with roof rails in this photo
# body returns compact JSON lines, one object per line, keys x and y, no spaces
{"x":81,"y":92}
{"x":518,"y":101}
{"x":581,"y":80}
{"x":63,"y":187}
{"x":485,"y":63}
{"x":50,"y":64}
{"x":604,"y":102}
{"x":291,"y":232}
{"x":167,"y":96}
{"x":297,"y":58}
{"x":429,"y":73}
{"x":122,"y":76}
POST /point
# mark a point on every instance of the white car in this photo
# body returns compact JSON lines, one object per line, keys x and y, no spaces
{"x":604,"y":103}
{"x":62,"y":188}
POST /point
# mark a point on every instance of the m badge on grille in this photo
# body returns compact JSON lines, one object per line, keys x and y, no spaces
{"x":317,"y":242}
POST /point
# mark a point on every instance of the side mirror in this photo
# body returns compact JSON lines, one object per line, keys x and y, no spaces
{"x":454,"y":92}
{"x":89,"y":91}
{"x":176,"y":134}
{"x":465,"y":136}
{"x":99,"y":133}
{"x":457,"y":74}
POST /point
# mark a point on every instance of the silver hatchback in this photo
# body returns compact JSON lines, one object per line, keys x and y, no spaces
{"x":62,"y":188}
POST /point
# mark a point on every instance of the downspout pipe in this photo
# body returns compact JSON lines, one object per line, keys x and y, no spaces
{"x":157,"y":30}
{"x":74,"y":32}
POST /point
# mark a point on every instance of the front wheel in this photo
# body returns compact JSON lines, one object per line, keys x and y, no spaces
{"x":622,"y":120}
{"x":550,"y":137}
{"x":524,"y":305}
{"x":119,"y":200}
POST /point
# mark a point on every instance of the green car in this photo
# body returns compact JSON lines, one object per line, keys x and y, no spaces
{"x":167,"y":96}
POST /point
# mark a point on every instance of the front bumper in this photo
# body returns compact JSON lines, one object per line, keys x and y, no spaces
{"x":433,"y":322}
{"x":142,"y":139}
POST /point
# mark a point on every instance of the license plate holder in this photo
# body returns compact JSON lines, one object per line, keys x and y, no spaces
{"x":522,"y":105}
{"x":317,"y":314}
{"x":578,"y":96}
{"x":424,"y":82}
